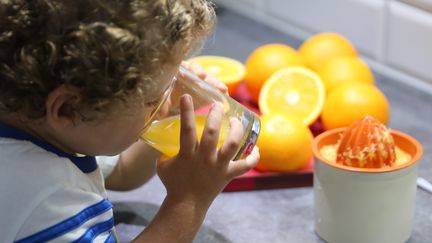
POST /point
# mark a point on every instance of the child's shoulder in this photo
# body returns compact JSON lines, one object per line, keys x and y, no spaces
{"x":24,"y":160}
{"x":27,"y":165}
{"x":29,"y":171}
{"x":36,"y":185}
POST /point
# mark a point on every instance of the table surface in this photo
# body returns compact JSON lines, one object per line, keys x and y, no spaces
{"x":280,"y":215}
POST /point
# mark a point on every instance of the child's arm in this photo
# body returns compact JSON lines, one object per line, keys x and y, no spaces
{"x":135,"y":166}
{"x":195,"y":176}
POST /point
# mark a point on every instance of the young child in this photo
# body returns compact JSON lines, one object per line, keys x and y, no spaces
{"x":80,"y":79}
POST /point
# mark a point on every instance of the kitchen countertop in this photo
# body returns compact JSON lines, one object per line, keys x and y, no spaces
{"x":279,"y":215}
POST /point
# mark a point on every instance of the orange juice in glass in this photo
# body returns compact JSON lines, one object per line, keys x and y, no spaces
{"x":164,"y":134}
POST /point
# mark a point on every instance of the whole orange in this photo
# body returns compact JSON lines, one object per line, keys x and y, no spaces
{"x":264,"y":61}
{"x":285,"y":143}
{"x":321,"y":47}
{"x":352,"y":101}
{"x":345,"y":69}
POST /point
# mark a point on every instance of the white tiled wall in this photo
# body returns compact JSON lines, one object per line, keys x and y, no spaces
{"x":422,"y":4}
{"x":393,"y":34}
{"x":251,"y":3}
{"x":365,"y":19}
{"x":409,"y":43}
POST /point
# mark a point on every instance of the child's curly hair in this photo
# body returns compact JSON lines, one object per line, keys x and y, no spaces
{"x":109,"y":49}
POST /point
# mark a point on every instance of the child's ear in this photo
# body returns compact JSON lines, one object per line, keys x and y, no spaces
{"x":61,"y":105}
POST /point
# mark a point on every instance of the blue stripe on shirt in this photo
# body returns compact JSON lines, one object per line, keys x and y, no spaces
{"x":110,"y":238}
{"x":70,"y":223}
{"x":96,"y":230}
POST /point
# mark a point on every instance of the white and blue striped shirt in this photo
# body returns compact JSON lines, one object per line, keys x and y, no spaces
{"x":49,"y":196}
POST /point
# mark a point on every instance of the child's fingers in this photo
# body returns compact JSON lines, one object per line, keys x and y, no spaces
{"x":239,"y":167}
{"x":213,"y":80}
{"x":188,"y":136}
{"x":210,"y":135}
{"x":198,"y":70}
{"x":194,"y":68}
{"x":231,"y":144}
{"x":185,"y":64}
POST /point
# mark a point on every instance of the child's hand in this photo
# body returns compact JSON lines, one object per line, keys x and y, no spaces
{"x":199,"y":71}
{"x":201,"y":170}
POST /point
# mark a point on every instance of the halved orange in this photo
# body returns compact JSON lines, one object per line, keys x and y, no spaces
{"x":296,"y":91}
{"x":230,"y":71}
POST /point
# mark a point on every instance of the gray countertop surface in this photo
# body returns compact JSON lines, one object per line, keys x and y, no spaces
{"x":280,"y":215}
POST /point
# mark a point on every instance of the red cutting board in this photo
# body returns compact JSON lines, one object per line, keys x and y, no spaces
{"x":258,"y":180}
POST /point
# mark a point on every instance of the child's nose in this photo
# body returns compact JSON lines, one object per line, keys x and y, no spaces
{"x":164,"y":109}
